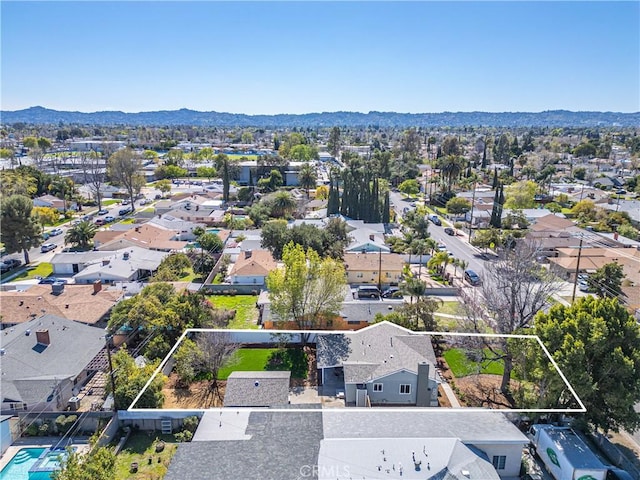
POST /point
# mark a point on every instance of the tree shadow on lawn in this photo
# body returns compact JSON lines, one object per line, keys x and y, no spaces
{"x":289,"y":359}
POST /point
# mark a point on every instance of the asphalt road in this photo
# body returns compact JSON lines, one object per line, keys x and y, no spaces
{"x":458,"y":245}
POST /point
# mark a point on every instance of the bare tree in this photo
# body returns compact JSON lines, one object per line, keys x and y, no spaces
{"x":216,"y":349}
{"x":515,"y":288}
{"x":93,"y":169}
{"x":125,"y":167}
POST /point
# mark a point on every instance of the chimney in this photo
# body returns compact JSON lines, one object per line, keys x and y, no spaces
{"x":247,"y":254}
{"x":42,"y":337}
{"x":97,"y":286}
{"x":615,"y":236}
{"x":372,"y":237}
{"x":57,"y":288}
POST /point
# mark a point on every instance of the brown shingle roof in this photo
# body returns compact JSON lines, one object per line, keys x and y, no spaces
{"x":77,"y":302}
{"x":371,"y":261}
{"x":260,"y":262}
{"x":148,"y":236}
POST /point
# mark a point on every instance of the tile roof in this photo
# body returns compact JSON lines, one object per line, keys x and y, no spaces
{"x":257,"y":389}
{"x":76,"y":302}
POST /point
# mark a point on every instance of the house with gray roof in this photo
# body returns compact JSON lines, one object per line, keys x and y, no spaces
{"x":347,"y":444}
{"x":257,"y":389}
{"x":45,"y":361}
{"x":382,"y":364}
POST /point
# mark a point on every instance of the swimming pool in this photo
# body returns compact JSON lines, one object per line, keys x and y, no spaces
{"x":32,"y":464}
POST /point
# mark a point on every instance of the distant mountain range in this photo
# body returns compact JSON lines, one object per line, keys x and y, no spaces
{"x":552,"y":118}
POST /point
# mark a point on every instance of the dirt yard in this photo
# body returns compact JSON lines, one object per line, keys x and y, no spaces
{"x":199,"y":395}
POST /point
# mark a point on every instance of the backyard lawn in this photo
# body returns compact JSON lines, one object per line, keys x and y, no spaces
{"x":247,"y":360}
{"x":461,"y":365}
{"x":43,"y":269}
{"x":259,"y":359}
{"x":449,"y":308}
{"x":141,"y":447}
{"x":244,"y":305}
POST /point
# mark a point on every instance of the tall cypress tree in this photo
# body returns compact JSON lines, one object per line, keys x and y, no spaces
{"x":386,"y":212}
{"x":484,"y":155}
{"x":495,"y":178}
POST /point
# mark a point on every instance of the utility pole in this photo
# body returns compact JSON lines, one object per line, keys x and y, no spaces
{"x":473,"y":201}
{"x":107,"y":338}
{"x":380,"y":269}
{"x":575,"y":280}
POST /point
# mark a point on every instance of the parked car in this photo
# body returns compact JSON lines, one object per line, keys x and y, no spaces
{"x":50,"y":280}
{"x":158,"y":196}
{"x":47,"y":247}
{"x":104,"y":211}
{"x":55,"y":231}
{"x":100,"y":221}
{"x":392,"y":292}
{"x":126,"y":201}
{"x":368,"y":292}
{"x":109,"y":219}
{"x":441,"y":247}
{"x":124,"y":211}
{"x":144,"y":201}
{"x":449,"y":231}
{"x":435,"y":219}
{"x":472,"y":277}
{"x":9,"y":264}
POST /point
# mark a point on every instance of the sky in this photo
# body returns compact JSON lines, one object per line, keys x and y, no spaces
{"x":301,"y":57}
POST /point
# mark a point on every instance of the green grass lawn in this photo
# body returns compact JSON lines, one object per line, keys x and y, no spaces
{"x":247,"y":360}
{"x":141,"y":447}
{"x":110,"y":201}
{"x":450,"y":308}
{"x":128,"y":220}
{"x":43,"y":269}
{"x":461,"y":365}
{"x":235,"y":156}
{"x":259,"y":359}
{"x":244,"y":305}
{"x":191,"y":276}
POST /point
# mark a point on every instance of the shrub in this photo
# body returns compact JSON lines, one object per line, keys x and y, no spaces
{"x":183,"y":436}
{"x":63,"y":423}
{"x":190,"y":423}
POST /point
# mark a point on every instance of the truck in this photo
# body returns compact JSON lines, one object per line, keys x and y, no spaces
{"x":565,"y":454}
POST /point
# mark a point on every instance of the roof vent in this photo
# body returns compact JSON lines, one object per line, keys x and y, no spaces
{"x":125,"y":255}
{"x":2,"y":351}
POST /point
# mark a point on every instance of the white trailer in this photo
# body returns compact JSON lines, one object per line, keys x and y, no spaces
{"x":565,"y":455}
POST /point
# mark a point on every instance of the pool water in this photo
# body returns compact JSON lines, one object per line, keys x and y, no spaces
{"x":32,"y":464}
{"x":18,"y":467}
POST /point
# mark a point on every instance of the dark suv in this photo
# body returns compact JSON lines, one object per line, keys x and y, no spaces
{"x":472,"y":277}
{"x":392,"y":292}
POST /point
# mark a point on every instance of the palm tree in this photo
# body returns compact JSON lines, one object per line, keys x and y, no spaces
{"x":282,"y":204}
{"x":81,"y":235}
{"x":414,"y":287}
{"x":307,"y":177}
{"x":451,"y":167}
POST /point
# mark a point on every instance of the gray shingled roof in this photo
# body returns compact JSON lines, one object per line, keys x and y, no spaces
{"x":29,"y":371}
{"x":375,"y":351}
{"x":257,"y":389}
{"x":280,"y":445}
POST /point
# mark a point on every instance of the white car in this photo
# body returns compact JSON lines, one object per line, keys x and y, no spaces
{"x":55,"y":231}
{"x":441,"y":247}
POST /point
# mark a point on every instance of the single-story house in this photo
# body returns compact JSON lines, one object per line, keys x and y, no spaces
{"x":54,"y":202}
{"x":344,"y":444}
{"x":183,"y":228}
{"x":365,"y":240}
{"x":148,"y":236}
{"x":46,"y":361}
{"x":373,"y":268}
{"x":89,"y":304}
{"x":252,"y":268}
{"x":257,"y":389}
{"x":382,"y":364}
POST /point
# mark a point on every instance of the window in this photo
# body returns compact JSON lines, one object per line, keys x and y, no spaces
{"x":377,"y":387}
{"x":359,"y":275}
{"x":499,"y":461}
{"x":388,"y":274}
{"x":405,"y":388}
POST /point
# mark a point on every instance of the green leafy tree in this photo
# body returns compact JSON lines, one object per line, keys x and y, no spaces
{"x":20,"y":230}
{"x":210,"y":242}
{"x":585,"y":149}
{"x":521,"y":195}
{"x":303,"y":153}
{"x":170,"y":171}
{"x":606,"y":281}
{"x":206,"y":172}
{"x":125,"y":167}
{"x":282,"y":204}
{"x":130,"y":379}
{"x":458,"y":205}
{"x":409,"y":187}
{"x":81,"y":235}
{"x":164,"y":186}
{"x":98,"y":464}
{"x":172,"y":268}
{"x":187,"y":359}
{"x":580,"y":173}
{"x":308,"y":291}
{"x":596,"y":343}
